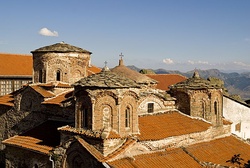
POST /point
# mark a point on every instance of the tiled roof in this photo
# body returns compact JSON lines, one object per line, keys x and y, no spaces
{"x":93,"y":70}
{"x":58,"y":99}
{"x":174,"y":158}
{"x":166,"y":80}
{"x":7,"y":100}
{"x":101,"y":158}
{"x":196,"y":82}
{"x":16,"y":65}
{"x":122,"y":70}
{"x":61,"y":47}
{"x":29,"y":143}
{"x":221,"y":150}
{"x":159,"y":126}
{"x":42,"y":91}
{"x":56,"y":84}
{"x":106,"y":79}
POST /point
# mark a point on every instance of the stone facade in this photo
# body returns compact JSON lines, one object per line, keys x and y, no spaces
{"x":199,"y":98}
{"x":51,"y":64}
{"x":101,"y":113}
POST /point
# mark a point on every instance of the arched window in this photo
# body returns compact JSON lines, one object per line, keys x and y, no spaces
{"x":215,"y":108}
{"x":58,"y":75}
{"x":127,"y":117}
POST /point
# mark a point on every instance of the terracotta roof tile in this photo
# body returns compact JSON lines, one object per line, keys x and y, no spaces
{"x":221,"y":150}
{"x":59,"y":99}
{"x":93,"y":70}
{"x":113,"y":134}
{"x":174,"y":158}
{"x":29,"y":143}
{"x":98,"y":155}
{"x":7,"y":100}
{"x":23,"y":65}
{"x":167,"y":125}
{"x":56,"y":84}
{"x":166,"y":80}
{"x":43,"y":92}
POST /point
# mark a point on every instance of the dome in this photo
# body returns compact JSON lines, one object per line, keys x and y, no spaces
{"x":122,"y":70}
{"x":61,"y":48}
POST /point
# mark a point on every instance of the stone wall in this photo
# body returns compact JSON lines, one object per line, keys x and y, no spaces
{"x":72,"y":66}
{"x":17,"y":157}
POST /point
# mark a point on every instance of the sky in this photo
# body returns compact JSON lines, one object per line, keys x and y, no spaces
{"x":171,"y":34}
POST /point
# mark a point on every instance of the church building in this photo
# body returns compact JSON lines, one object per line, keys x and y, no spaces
{"x":75,"y":115}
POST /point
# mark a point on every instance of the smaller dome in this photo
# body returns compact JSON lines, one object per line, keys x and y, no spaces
{"x":61,"y":48}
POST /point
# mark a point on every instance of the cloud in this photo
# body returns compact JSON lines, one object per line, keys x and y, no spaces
{"x":241,"y":64}
{"x":198,"y":62}
{"x":168,"y":61}
{"x":46,"y":32}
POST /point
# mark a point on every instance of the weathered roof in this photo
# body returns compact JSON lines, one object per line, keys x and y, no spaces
{"x":93,"y":70}
{"x":61,"y":48}
{"x":7,"y":100}
{"x":16,"y":65}
{"x":122,"y":70}
{"x":196,"y":82}
{"x":29,"y":143}
{"x":173,"y":158}
{"x":166,"y":80}
{"x":98,"y":155}
{"x":219,"y":151}
{"x":106,"y":79}
{"x":60,"y":98}
{"x":160,"y":126}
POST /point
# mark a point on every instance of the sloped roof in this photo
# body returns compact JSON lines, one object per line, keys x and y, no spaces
{"x":122,"y":70}
{"x":100,"y":157}
{"x":93,"y":70}
{"x":196,"y":82}
{"x":57,"y":84}
{"x":7,"y":100}
{"x":166,"y":80}
{"x":160,"y":126}
{"x":29,"y":143}
{"x":106,"y":79}
{"x":58,"y":99}
{"x":219,"y":151}
{"x":174,"y":158}
{"x":45,"y":93}
{"x":61,"y":48}
{"x":16,"y":65}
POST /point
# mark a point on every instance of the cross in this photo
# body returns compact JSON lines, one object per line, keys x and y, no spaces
{"x":121,"y":55}
{"x":105,"y":63}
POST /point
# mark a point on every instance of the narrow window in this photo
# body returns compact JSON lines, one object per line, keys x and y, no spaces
{"x":58,"y":75}
{"x":40,"y":76}
{"x":215,"y":108}
{"x":85,"y":117}
{"x":127,"y":117}
{"x":150,"y":107}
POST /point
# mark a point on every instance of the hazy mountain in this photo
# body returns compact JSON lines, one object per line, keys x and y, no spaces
{"x":236,"y":83}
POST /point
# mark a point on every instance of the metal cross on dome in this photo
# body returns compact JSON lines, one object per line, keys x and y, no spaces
{"x":121,"y":55}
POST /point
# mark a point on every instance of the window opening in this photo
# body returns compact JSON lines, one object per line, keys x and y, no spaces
{"x":150,"y":107}
{"x":58,"y":75}
{"x":215,"y":108}
{"x":127,"y":117}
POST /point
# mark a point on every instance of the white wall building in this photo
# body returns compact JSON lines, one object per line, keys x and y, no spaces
{"x":239,"y":114}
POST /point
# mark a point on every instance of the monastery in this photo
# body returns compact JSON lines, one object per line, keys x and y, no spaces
{"x":74,"y":115}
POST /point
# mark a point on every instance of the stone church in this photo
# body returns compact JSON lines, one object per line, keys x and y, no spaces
{"x":75,"y":115}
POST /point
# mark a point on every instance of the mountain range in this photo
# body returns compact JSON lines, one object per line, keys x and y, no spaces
{"x":235,"y":83}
